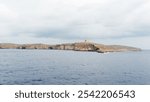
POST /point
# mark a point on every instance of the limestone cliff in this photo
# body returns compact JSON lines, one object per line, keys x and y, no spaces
{"x":80,"y":46}
{"x":86,"y":46}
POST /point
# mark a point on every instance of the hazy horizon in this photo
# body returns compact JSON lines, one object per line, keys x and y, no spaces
{"x":56,"y":21}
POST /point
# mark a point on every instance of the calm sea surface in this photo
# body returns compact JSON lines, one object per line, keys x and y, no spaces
{"x":70,"y":67}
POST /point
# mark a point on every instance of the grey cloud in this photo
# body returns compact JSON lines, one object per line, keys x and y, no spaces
{"x":75,"y":19}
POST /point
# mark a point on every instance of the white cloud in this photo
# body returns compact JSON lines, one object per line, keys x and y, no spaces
{"x":7,"y":20}
{"x":74,"y":19}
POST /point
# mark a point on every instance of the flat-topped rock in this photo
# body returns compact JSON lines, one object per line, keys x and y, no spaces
{"x":79,"y":46}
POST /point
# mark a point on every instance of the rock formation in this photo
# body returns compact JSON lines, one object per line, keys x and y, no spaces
{"x":80,"y":46}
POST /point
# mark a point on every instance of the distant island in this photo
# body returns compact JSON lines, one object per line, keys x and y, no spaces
{"x":79,"y":46}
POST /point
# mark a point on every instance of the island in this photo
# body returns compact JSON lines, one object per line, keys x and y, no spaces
{"x":77,"y":46}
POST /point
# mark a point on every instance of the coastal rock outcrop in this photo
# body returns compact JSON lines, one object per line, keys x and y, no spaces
{"x":8,"y":46}
{"x":33,"y":46}
{"x":100,"y":48}
{"x":80,"y":46}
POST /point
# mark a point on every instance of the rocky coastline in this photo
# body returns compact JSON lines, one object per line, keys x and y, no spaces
{"x":79,"y":46}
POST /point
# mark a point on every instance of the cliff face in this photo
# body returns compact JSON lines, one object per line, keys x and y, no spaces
{"x":33,"y":46}
{"x":8,"y":46}
{"x":85,"y":47}
{"x":75,"y":47}
{"x":81,"y":46}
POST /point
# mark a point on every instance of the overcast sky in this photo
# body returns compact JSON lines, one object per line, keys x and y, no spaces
{"x":124,"y":22}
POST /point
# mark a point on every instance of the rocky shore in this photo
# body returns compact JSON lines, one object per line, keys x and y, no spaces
{"x":79,"y":46}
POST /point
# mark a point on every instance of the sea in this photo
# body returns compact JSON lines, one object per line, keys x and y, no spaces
{"x":59,"y":67}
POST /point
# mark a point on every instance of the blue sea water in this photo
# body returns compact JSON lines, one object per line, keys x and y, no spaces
{"x":55,"y":67}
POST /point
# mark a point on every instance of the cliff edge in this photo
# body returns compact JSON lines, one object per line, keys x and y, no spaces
{"x":79,"y":46}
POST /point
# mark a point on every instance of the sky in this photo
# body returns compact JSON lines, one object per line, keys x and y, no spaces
{"x":121,"y":22}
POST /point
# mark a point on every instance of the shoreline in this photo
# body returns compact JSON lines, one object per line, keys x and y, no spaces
{"x":79,"y":46}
